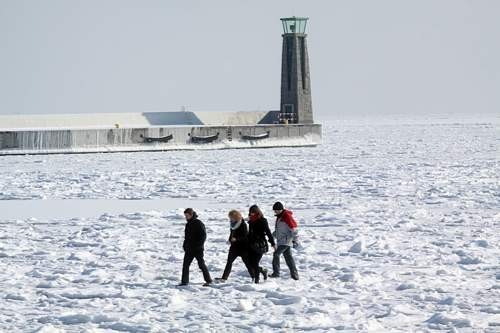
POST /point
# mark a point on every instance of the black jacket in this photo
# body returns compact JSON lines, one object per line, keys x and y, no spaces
{"x":241,"y":235}
{"x":259,"y":230}
{"x":194,"y":236}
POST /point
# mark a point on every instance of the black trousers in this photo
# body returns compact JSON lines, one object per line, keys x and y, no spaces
{"x":235,"y":252}
{"x":188,"y":259}
{"x":254,"y":259}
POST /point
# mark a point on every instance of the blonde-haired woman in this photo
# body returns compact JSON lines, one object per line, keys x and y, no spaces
{"x":238,"y":238}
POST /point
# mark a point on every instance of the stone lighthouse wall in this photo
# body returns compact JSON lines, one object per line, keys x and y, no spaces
{"x":295,"y":80}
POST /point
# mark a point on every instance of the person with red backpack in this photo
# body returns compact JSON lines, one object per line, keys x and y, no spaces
{"x":285,"y":234}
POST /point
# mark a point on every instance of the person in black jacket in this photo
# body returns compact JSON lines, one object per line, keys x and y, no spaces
{"x":194,"y":239}
{"x":238,"y":238}
{"x":259,"y":229}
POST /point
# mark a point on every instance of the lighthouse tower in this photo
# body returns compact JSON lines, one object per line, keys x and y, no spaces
{"x":296,"y":104}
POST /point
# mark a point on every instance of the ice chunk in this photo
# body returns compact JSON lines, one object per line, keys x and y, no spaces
{"x":447,"y":301}
{"x":349,"y":277}
{"x":49,"y":329}
{"x":177,"y":300}
{"x":245,"y":305}
{"x":357,"y":247}
{"x":102,"y":319}
{"x":74,"y":319}
{"x":405,"y":286}
{"x":469,"y":260}
{"x":481,"y":243}
{"x":288,"y":300}
{"x":455,"y":320}
{"x":124,"y":327}
{"x":325,"y":217}
{"x":491,"y":310}
{"x":15,"y":297}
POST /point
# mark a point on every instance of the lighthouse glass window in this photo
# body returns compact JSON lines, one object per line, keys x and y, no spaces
{"x":294,"y":25}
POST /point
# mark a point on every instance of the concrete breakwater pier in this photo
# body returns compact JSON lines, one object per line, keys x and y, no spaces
{"x":155,"y":138}
{"x":291,"y":125}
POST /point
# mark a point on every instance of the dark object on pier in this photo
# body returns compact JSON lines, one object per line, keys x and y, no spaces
{"x":204,"y":139}
{"x":255,"y":137}
{"x":162,"y":139}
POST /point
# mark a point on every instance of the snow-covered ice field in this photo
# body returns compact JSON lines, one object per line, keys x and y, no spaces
{"x":400,"y":231}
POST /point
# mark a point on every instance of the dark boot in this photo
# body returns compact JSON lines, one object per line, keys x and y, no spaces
{"x":264,"y":272}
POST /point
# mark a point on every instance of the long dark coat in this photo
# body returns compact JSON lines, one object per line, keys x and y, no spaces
{"x":195,"y":235}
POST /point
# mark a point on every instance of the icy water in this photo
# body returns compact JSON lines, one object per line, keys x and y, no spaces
{"x":399,"y":227}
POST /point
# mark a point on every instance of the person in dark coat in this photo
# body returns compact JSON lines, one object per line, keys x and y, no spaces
{"x":238,"y":238}
{"x":194,"y":240}
{"x":258,"y":230}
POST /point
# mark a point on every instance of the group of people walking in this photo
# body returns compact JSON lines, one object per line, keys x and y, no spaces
{"x":249,"y":243}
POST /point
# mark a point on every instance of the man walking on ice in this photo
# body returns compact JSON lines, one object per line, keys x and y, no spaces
{"x":286,"y":232}
{"x":194,"y":240}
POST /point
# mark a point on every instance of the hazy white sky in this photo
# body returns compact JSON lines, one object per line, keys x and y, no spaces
{"x":367,"y":57}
